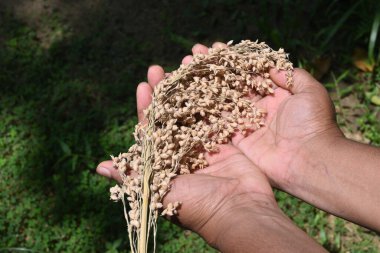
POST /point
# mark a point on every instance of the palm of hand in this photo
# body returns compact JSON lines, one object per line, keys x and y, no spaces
{"x":293,"y":120}
{"x":296,"y":115}
{"x":208,"y":196}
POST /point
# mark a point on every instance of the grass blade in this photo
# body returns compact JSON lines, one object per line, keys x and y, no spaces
{"x":340,"y":22}
{"x":19,"y":249}
{"x":373,"y":37}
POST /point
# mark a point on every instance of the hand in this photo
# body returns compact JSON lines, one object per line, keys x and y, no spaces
{"x":297,"y":115}
{"x":229,"y":200}
{"x":302,"y":151}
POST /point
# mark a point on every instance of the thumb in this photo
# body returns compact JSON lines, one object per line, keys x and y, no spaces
{"x":302,"y":80}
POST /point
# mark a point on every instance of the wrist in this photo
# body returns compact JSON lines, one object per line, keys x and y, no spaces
{"x":238,"y":217}
{"x":254,"y":222}
{"x":339,"y":176}
{"x":312,"y":156}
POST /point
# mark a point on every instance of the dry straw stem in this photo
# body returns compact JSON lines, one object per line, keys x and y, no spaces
{"x":195,"y":108}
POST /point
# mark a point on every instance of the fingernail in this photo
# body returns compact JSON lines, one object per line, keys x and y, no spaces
{"x":104,"y":172}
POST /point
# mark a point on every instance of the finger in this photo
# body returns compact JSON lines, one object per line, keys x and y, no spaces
{"x":187,"y":59}
{"x":106,"y":169}
{"x":199,"y":49}
{"x":302,"y":80}
{"x":155,"y":75}
{"x":144,"y":98}
{"x":219,"y":45}
{"x":195,"y":208}
{"x":240,"y":167}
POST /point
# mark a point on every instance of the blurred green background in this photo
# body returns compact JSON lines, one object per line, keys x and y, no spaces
{"x":68,"y":73}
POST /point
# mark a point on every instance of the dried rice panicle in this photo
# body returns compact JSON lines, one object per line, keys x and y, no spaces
{"x":195,"y":108}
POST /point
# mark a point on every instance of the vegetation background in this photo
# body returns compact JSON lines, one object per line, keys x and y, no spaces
{"x":68,"y":73}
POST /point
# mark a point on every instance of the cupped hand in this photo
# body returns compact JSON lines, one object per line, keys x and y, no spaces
{"x":210,"y":196}
{"x":297,"y":116}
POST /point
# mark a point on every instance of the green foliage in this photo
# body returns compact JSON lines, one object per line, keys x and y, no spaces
{"x":174,"y":239}
{"x":57,"y":123}
{"x":335,"y":234}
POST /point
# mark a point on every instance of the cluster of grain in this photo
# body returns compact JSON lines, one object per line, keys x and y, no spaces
{"x":197,"y":107}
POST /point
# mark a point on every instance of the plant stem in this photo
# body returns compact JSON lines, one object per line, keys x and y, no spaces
{"x":145,"y":211}
{"x":147,"y":160}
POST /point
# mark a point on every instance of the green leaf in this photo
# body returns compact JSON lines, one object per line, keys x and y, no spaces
{"x":12,"y":43}
{"x":323,"y":236}
{"x":74,"y":162}
{"x":65,"y":148}
{"x":373,"y":37}
{"x":337,"y":241}
{"x":375,"y":100}
{"x":19,"y":249}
